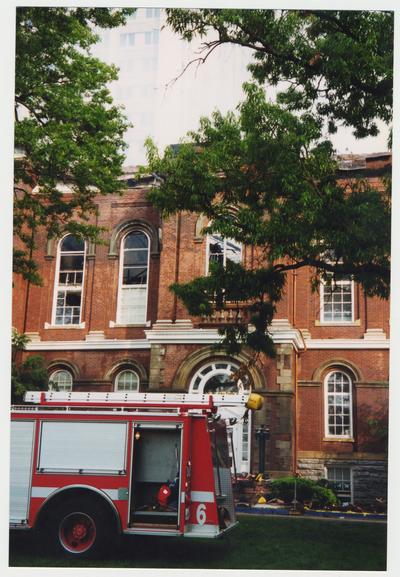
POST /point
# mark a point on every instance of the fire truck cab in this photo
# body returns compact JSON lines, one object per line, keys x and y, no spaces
{"x":87,"y":466}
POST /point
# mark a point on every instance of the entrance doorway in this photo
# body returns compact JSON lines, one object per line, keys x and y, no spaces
{"x":217,"y":377}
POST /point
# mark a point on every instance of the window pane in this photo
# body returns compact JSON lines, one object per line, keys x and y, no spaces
{"x":73,"y":299}
{"x":72,"y":244}
{"x":136,"y":240}
{"x":71,"y":262}
{"x":135,"y":276}
{"x":135,"y":257}
{"x":233,"y":250}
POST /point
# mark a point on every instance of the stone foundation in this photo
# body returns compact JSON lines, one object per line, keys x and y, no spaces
{"x":369,"y":476}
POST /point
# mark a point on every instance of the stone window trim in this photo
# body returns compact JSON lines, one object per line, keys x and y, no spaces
{"x":53,"y":242}
{"x":63,"y":365}
{"x":125,"y":227}
{"x":127,"y":364}
{"x":340,"y":364}
{"x":203,"y":355}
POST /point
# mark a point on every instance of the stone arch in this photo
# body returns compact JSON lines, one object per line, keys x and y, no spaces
{"x":340,"y":365}
{"x":200,"y":356}
{"x":60,"y":364}
{"x":201,"y":222}
{"x":127,"y":226}
{"x":53,"y":242}
{"x":127,"y":363}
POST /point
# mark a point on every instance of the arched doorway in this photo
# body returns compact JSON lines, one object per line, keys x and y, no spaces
{"x":218,"y":376}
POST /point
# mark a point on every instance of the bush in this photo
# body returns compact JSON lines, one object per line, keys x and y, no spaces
{"x":306,"y":491}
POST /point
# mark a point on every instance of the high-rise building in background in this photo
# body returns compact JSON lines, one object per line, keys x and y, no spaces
{"x":150,"y":58}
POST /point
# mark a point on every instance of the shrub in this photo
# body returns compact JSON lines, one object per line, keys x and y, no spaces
{"x":307,"y":490}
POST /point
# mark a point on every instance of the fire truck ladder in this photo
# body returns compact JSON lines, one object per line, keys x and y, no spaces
{"x":186,"y":401}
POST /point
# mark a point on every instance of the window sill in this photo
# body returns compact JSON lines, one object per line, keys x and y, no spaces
{"x":49,"y":326}
{"x":339,"y":439}
{"x":355,"y":323}
{"x":115,"y":325}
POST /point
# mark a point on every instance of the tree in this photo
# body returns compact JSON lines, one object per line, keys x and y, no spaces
{"x":28,"y":375}
{"x":67,"y":131}
{"x":339,"y":62}
{"x":267,"y":176}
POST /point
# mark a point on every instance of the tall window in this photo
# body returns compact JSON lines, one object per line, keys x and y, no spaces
{"x":133,"y":281}
{"x":60,"y":380}
{"x":221,"y":249}
{"x":127,"y":380}
{"x":337,"y":301}
{"x":338,"y":405}
{"x":69,"y":281}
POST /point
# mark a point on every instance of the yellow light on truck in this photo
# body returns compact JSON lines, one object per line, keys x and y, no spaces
{"x":255,"y":402}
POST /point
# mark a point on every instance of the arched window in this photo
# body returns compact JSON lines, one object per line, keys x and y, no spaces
{"x":127,"y":380}
{"x":338,"y":405}
{"x":220,"y":249}
{"x":133,"y":279}
{"x":218,"y":377}
{"x":60,"y":380}
{"x":69,"y":281}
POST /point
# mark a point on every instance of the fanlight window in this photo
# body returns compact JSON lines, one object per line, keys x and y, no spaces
{"x":218,"y":377}
{"x":69,"y":282}
{"x":60,"y":380}
{"x":127,"y":380}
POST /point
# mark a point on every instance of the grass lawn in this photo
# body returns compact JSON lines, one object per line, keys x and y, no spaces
{"x":260,"y":542}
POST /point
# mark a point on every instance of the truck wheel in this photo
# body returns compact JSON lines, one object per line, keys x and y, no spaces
{"x":80,"y":528}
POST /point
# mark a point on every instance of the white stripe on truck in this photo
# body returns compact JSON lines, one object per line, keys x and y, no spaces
{"x":202,"y":496}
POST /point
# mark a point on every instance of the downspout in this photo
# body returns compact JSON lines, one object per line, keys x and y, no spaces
{"x":177,"y":250}
{"x":28,"y":286}
{"x":296,"y":353}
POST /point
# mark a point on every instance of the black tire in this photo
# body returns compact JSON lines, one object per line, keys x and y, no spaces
{"x":82,"y":527}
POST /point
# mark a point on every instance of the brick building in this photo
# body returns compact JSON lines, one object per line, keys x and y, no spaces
{"x":105,"y":320}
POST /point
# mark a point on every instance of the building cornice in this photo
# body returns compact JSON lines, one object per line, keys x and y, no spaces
{"x":361,"y":344}
{"x":98,"y":345}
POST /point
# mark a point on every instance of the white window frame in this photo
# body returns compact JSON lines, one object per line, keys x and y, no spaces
{"x":324,"y":288}
{"x":225,"y":240}
{"x":348,"y":468}
{"x":120,"y":321}
{"x":126,"y":370}
{"x":329,"y":435}
{"x":70,"y":289}
{"x":61,"y":370}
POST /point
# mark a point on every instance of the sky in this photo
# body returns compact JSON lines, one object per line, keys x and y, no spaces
{"x":164,"y":102}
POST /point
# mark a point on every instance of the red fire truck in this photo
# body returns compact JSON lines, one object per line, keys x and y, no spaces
{"x":87,"y":466}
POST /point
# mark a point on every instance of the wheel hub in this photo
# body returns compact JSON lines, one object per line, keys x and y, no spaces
{"x":77,"y":532}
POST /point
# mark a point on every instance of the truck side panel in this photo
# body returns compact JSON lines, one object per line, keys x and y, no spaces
{"x":22,"y":433}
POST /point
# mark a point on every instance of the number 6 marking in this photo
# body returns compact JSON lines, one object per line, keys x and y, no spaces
{"x":201,"y":514}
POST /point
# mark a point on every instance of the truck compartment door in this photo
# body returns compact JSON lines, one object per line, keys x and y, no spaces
{"x":22,"y":433}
